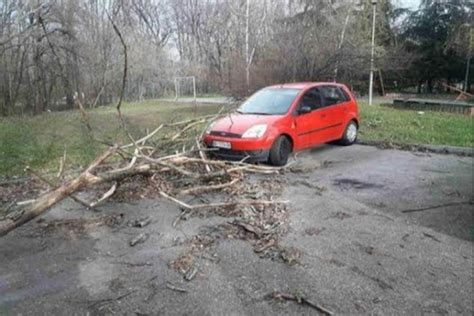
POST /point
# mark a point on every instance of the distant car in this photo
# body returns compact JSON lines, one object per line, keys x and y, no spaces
{"x":280,"y":119}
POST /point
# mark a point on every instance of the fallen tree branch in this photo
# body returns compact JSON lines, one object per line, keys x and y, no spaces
{"x":176,"y":172}
{"x":106,"y":195}
{"x":145,"y":138}
{"x":203,"y":155}
{"x":187,"y":127}
{"x":224,"y":204}
{"x":53,"y":185}
{"x":45,"y":201}
{"x":182,"y":159}
{"x":26,"y":202}
{"x":207,"y":188}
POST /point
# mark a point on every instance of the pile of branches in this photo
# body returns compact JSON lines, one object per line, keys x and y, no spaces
{"x":187,"y":171}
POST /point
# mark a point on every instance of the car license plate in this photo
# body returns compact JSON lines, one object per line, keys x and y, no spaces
{"x":219,"y":144}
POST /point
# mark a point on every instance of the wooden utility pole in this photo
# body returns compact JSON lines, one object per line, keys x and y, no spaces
{"x":468,"y":63}
{"x":371,"y":82}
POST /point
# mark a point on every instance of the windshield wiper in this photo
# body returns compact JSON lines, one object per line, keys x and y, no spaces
{"x":257,"y":113}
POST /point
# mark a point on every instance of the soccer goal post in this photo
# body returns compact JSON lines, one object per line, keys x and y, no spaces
{"x":185,"y":86}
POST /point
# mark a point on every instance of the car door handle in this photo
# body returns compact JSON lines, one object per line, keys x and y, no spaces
{"x":323,"y":115}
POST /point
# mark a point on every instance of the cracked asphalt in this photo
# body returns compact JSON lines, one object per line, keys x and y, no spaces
{"x":361,"y":253}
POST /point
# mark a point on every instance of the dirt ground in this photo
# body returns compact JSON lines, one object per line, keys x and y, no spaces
{"x":354,"y":249}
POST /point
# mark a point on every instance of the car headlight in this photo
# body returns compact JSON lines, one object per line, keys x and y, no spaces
{"x":255,"y":131}
{"x":209,"y":128}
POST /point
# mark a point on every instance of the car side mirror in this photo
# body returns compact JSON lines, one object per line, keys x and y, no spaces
{"x":304,"y":109}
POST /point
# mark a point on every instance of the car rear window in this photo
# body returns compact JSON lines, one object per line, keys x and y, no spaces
{"x":333,"y":95}
{"x":345,"y":94}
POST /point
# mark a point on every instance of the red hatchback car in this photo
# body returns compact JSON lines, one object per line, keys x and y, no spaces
{"x":280,"y":119}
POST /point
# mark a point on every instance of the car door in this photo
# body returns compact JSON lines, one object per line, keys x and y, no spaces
{"x":334,"y":104}
{"x":308,"y":123}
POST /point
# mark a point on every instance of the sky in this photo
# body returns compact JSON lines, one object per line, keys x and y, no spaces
{"x":410,"y":4}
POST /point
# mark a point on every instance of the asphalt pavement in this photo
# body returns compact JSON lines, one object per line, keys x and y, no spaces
{"x":379,"y":232}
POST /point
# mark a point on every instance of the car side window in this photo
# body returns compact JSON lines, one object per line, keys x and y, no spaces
{"x":345,"y":94}
{"x":332,"y":95}
{"x":312,"y":98}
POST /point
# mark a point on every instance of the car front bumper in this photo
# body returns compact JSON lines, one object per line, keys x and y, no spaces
{"x":252,"y":150}
{"x":238,"y":155}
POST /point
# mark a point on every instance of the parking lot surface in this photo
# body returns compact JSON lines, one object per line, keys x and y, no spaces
{"x":378,"y":231}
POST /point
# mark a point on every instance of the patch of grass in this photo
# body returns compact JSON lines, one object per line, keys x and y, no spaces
{"x":39,"y":141}
{"x":383,"y":123}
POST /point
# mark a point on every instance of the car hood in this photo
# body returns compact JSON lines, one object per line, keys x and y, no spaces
{"x":237,"y":123}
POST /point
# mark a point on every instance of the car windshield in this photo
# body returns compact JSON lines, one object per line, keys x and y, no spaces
{"x":270,"y":101}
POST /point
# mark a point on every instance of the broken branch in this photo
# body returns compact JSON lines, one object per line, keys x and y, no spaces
{"x":53,"y":185}
{"x":224,"y":204}
{"x":202,"y":189}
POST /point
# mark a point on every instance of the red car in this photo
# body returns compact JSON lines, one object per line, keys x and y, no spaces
{"x":280,"y":119}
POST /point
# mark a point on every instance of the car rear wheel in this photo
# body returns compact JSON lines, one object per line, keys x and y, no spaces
{"x":280,"y":151}
{"x":350,"y":134}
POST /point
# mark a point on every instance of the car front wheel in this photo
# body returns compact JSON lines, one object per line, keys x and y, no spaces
{"x":350,"y":134}
{"x":280,"y":151}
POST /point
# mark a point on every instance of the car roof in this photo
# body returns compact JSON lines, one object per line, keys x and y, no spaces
{"x":303,"y":85}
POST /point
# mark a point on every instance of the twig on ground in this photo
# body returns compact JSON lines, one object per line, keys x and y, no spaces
{"x":135,"y":264}
{"x":300,"y":300}
{"x":431,"y":236}
{"x":180,"y":217}
{"x":142,"y":222}
{"x":109,"y":300}
{"x":437,"y":206}
{"x":105,"y":196}
{"x":175,"y":288}
{"x":140,"y":238}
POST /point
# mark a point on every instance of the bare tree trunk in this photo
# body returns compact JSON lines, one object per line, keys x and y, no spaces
{"x":247,"y":46}
{"x":38,"y":80}
{"x":341,"y":42}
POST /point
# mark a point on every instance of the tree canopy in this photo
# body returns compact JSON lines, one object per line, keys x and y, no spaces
{"x":55,"y":52}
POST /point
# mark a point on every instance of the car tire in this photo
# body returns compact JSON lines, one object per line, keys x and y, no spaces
{"x":350,"y":134}
{"x":280,"y":151}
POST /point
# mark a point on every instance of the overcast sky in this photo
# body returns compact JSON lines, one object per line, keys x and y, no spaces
{"x":410,"y":4}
